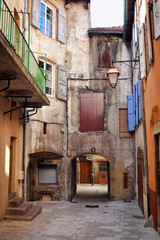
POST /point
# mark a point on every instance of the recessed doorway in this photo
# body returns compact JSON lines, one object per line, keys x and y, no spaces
{"x":90,"y":177}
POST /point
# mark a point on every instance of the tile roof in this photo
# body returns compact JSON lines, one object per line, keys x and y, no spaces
{"x":108,"y":29}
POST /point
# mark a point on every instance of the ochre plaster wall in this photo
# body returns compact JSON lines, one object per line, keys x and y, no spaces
{"x":152,"y":116}
{"x":9,"y":127}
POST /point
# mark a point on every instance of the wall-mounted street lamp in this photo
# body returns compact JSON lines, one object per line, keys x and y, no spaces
{"x":113,"y":73}
{"x":113,"y":76}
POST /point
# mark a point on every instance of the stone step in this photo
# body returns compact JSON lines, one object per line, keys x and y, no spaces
{"x":15,"y":202}
{"x":21,"y":210}
{"x":11,"y":195}
{"x":29,"y":216}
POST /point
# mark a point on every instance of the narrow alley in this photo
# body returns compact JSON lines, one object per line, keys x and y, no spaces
{"x":90,"y":216}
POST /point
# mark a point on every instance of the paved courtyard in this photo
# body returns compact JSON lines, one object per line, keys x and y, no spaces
{"x":101,"y":220}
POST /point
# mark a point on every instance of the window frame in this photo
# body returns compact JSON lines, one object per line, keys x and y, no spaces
{"x":47,"y":167}
{"x":100,"y":45}
{"x":124,"y":134}
{"x":103,"y":166}
{"x":53,"y":22}
{"x":53,"y":76}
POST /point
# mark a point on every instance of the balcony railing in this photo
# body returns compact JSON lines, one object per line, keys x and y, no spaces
{"x":15,"y":37}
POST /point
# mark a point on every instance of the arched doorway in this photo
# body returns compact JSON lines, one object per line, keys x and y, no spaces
{"x":90,"y":174}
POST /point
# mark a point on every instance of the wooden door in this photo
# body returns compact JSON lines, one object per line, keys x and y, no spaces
{"x":85,"y":171}
{"x":140,"y":178}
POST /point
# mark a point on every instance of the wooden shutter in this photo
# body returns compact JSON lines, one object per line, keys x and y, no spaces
{"x":36,"y":13}
{"x":91,"y":112}
{"x":62,"y":83}
{"x":156,"y":18}
{"x":139,"y":99}
{"x":61,"y":26}
{"x":142,"y":52}
{"x":131,"y":113}
{"x":104,"y":54}
{"x":123,"y":124}
{"x":148,"y":40}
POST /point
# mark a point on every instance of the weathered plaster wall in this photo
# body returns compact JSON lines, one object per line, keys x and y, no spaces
{"x":107,"y":144}
{"x":77,"y":47}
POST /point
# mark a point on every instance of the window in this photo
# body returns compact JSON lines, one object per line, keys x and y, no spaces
{"x":123,"y":124}
{"x":49,"y":20}
{"x":47,"y":25}
{"x":49,"y":73}
{"x":44,"y":128}
{"x":104,"y":54}
{"x":47,"y":174}
{"x":91,"y":112}
{"x":125,"y":180}
{"x":103,"y":167}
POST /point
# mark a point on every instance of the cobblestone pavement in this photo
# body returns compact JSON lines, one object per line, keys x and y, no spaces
{"x":101,"y":220}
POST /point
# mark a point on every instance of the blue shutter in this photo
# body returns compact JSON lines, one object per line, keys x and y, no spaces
{"x":139,"y":99}
{"x":133,"y":41}
{"x":131,"y":113}
{"x":136,"y":101}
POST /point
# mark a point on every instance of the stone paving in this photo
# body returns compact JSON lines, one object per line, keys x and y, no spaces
{"x":74,"y":221}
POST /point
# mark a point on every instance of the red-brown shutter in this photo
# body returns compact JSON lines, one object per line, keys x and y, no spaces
{"x":104,"y":54}
{"x":92,"y":112}
{"x":123,"y":124}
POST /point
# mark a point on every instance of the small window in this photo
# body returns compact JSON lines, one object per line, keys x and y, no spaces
{"x":47,"y":174}
{"x":49,"y":76}
{"x":125,"y":180}
{"x":103,"y":167}
{"x":44,"y":128}
{"x":123,"y":124}
{"x":104,"y":55}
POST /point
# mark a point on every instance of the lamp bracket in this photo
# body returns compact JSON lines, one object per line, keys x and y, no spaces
{"x":126,"y":61}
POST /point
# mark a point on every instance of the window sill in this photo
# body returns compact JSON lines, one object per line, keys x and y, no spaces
{"x":43,"y":34}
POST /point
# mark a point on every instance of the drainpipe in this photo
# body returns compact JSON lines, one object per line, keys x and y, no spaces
{"x":24,"y":113}
{"x":24,"y":153}
{"x":134,"y":153}
{"x":66,"y":157}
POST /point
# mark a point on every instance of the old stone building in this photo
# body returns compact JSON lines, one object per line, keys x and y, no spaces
{"x":45,"y":159}
{"x":97,"y":114}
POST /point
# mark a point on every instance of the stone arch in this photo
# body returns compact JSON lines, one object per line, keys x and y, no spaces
{"x":75,"y":163}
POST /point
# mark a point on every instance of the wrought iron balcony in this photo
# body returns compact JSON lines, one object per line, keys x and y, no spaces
{"x":16,"y":56}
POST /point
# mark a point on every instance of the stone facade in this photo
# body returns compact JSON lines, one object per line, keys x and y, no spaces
{"x":63,"y":141}
{"x":117,"y":150}
{"x":46,"y":131}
